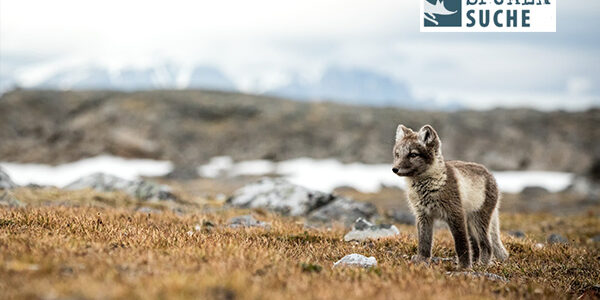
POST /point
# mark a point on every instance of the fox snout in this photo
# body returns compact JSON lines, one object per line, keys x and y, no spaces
{"x":395,"y":170}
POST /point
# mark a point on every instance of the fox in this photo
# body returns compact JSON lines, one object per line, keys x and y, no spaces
{"x":463,"y":194}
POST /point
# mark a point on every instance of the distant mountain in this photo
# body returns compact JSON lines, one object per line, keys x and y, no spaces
{"x":210,"y":78}
{"x":77,"y":79}
{"x":354,"y":86}
{"x":167,"y":76}
{"x":346,"y":85}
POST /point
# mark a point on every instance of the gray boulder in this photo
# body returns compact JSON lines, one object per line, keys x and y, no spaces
{"x":280,"y":196}
{"x":5,"y":181}
{"x":246,"y":221}
{"x":343,"y":210}
{"x":517,"y":233}
{"x":141,"y":189}
{"x":7,"y":199}
{"x":363,"y":230}
{"x":283,"y":197}
{"x":356,"y":260}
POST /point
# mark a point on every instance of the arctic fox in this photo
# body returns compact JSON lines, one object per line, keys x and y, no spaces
{"x":462,"y":194}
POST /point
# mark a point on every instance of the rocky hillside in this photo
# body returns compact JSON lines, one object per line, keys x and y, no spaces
{"x":189,"y":127}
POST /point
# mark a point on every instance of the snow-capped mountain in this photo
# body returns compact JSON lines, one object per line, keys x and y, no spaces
{"x":347,"y":85}
{"x":354,"y":86}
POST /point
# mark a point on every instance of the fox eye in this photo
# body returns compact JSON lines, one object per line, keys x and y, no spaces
{"x":413,"y":155}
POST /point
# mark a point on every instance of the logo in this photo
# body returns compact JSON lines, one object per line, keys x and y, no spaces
{"x":488,"y":15}
{"x":442,"y":13}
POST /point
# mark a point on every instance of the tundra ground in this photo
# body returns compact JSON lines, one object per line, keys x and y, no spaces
{"x":90,"y":245}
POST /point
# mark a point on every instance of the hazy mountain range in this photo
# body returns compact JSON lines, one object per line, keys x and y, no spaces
{"x":347,"y":85}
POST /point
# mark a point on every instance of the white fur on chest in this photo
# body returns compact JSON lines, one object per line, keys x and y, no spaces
{"x":471,"y":190}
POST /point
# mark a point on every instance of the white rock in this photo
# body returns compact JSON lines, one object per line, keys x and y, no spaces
{"x":280,"y":196}
{"x":356,"y":260}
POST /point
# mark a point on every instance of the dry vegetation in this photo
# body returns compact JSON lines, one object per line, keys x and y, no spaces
{"x":102,"y":249}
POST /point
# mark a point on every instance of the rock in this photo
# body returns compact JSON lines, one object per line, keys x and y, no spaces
{"x":356,"y":260}
{"x":402,"y":217}
{"x":246,"y":221}
{"x":534,"y":192}
{"x":538,"y":246}
{"x":596,"y":238}
{"x":489,"y":276}
{"x":279,"y":195}
{"x":5,"y":181}
{"x":363,"y":230}
{"x":7,"y":199}
{"x":517,"y":233}
{"x":343,"y":210}
{"x":140,"y":189}
{"x":183,"y":172}
{"x":556,"y":239}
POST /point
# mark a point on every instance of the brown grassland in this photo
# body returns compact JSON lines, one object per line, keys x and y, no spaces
{"x":88,"y":245}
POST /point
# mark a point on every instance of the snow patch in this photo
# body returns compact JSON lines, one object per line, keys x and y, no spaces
{"x":327,"y":174}
{"x":62,"y":175}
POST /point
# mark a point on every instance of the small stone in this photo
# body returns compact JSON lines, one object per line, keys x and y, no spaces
{"x":517,"y":233}
{"x":556,"y":239}
{"x":363,"y":230}
{"x":356,"y":260}
{"x":247,"y":221}
{"x":538,"y":246}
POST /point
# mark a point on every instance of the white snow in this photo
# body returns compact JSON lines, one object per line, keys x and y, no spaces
{"x":61,"y":175}
{"x":327,"y":174}
{"x":316,"y":174}
{"x":516,"y":181}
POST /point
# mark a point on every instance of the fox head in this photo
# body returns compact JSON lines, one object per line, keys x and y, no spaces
{"x":415,"y":152}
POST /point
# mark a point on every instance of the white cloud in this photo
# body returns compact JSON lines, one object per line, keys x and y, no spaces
{"x":262,"y":43}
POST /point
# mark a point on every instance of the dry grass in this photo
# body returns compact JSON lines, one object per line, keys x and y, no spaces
{"x":109,"y":251}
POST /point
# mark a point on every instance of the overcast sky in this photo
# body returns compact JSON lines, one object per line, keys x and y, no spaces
{"x":261,"y":43}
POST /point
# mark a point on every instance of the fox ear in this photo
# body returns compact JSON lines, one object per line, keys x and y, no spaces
{"x":401,"y":131}
{"x":428,"y":136}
